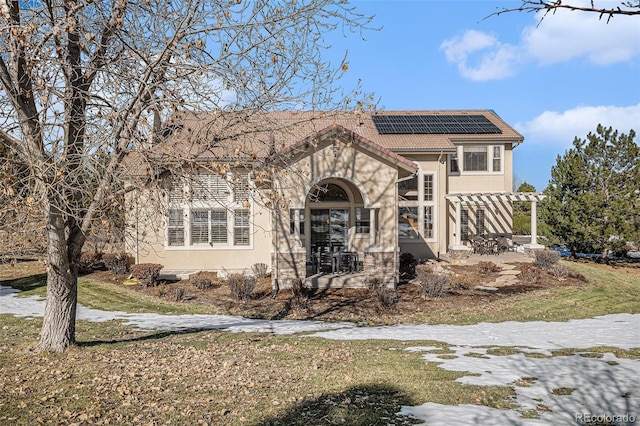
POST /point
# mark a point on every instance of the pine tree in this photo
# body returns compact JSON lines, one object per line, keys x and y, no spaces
{"x":593,"y":198}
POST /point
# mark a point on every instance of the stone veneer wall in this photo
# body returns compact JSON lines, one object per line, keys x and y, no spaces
{"x":287,"y":267}
{"x":380,"y":265}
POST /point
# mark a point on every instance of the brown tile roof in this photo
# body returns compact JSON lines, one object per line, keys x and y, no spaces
{"x":337,"y":129}
{"x":240,"y":135}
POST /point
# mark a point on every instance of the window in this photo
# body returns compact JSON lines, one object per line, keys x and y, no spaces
{"x":241,"y":228}
{"x":408,"y":189}
{"x":208,"y":227}
{"x":363,"y":220}
{"x":475,"y":158}
{"x":408,"y":222}
{"x":292,"y":221}
{"x":219,"y":233}
{"x":453,"y":163}
{"x":428,"y":187}
{"x":480,"y":229}
{"x":176,"y":227}
{"x":329,"y":192}
{"x":428,"y":221}
{"x":209,"y":210}
{"x":209,"y":187}
{"x":241,"y":188}
{"x":497,"y":158}
{"x":200,"y":227}
{"x":464,"y":224}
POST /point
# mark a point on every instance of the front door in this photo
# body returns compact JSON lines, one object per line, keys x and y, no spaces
{"x":329,"y":230}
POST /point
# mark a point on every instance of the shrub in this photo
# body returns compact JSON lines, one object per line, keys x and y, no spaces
{"x":431,"y":284}
{"x":545,"y":259}
{"x":88,"y":261}
{"x":202,"y":280}
{"x":116,"y":263}
{"x":241,"y":286}
{"x":178,"y":294}
{"x":374,"y":284}
{"x":146,"y":273}
{"x":559,"y":271}
{"x":488,"y":267}
{"x":459,"y":283}
{"x":407,"y":266}
{"x":387,"y":297}
{"x":259,"y":270}
{"x":530,"y":273}
{"x":299,"y":289}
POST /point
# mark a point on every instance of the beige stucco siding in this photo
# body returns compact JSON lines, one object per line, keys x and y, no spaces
{"x":147,"y":245}
{"x":368,"y":180}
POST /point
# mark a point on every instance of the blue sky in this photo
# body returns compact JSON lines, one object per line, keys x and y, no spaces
{"x":552,"y":81}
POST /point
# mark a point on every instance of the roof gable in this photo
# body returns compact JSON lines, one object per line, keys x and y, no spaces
{"x":348,"y":136}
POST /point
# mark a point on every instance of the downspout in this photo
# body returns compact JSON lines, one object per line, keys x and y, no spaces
{"x":276,"y":283}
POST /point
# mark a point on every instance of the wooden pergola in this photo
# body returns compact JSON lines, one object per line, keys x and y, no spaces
{"x":481,"y":198}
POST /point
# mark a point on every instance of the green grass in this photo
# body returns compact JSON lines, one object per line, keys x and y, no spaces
{"x":606,"y":292}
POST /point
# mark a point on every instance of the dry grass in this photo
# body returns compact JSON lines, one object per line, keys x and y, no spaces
{"x":119,"y":376}
{"x":116,"y":375}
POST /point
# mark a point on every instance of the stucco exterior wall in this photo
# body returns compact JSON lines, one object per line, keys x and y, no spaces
{"x":147,"y":244}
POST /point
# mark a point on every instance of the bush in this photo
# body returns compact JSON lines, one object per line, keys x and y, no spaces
{"x":116,"y":263}
{"x":488,"y":267}
{"x":89,"y":261}
{"x":146,"y":273}
{"x":202,"y":280}
{"x":530,"y":273}
{"x":559,"y":271}
{"x":387,"y":297}
{"x":299,"y":289}
{"x":178,"y":294}
{"x":374,"y":284}
{"x":259,"y":270}
{"x":241,"y":286}
{"x":431,"y":284}
{"x":546,"y":259}
{"x":407,"y":266}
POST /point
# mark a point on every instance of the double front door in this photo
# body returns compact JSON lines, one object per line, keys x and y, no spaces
{"x":329,"y":230}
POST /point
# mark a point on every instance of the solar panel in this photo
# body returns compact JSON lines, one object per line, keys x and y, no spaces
{"x":434,"y":124}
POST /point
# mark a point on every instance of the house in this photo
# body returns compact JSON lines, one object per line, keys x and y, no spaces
{"x":292,"y":189}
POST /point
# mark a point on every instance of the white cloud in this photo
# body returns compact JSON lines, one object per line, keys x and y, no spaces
{"x":496,"y":60}
{"x":566,"y":35}
{"x":559,"y":37}
{"x":560,"y":128}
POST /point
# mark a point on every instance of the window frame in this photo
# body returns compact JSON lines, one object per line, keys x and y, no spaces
{"x":230,"y":203}
{"x":426,"y":179}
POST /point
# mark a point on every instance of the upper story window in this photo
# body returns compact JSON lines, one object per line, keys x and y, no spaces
{"x":478,"y":159}
{"x":453,"y":164}
{"x":408,"y":189}
{"x":474,"y":158}
{"x":497,"y":159}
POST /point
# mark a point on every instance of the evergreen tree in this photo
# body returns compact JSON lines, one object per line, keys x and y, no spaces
{"x":593,"y":198}
{"x":522,"y":212}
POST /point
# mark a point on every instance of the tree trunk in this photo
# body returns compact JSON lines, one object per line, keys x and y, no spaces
{"x":59,"y":324}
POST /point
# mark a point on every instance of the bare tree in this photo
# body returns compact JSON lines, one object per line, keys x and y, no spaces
{"x":81,"y":82}
{"x":608,"y":9}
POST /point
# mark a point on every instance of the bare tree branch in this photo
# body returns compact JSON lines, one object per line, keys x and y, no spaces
{"x":624,"y":8}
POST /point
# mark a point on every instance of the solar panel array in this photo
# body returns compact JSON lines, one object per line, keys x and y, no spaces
{"x":434,"y":124}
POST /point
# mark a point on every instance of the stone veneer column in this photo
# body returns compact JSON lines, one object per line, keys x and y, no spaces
{"x":288,"y":265}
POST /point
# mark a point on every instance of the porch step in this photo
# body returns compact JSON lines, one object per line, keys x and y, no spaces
{"x":177,"y":274}
{"x":336,"y":281}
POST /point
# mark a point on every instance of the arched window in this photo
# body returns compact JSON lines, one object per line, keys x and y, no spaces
{"x":329,"y":192}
